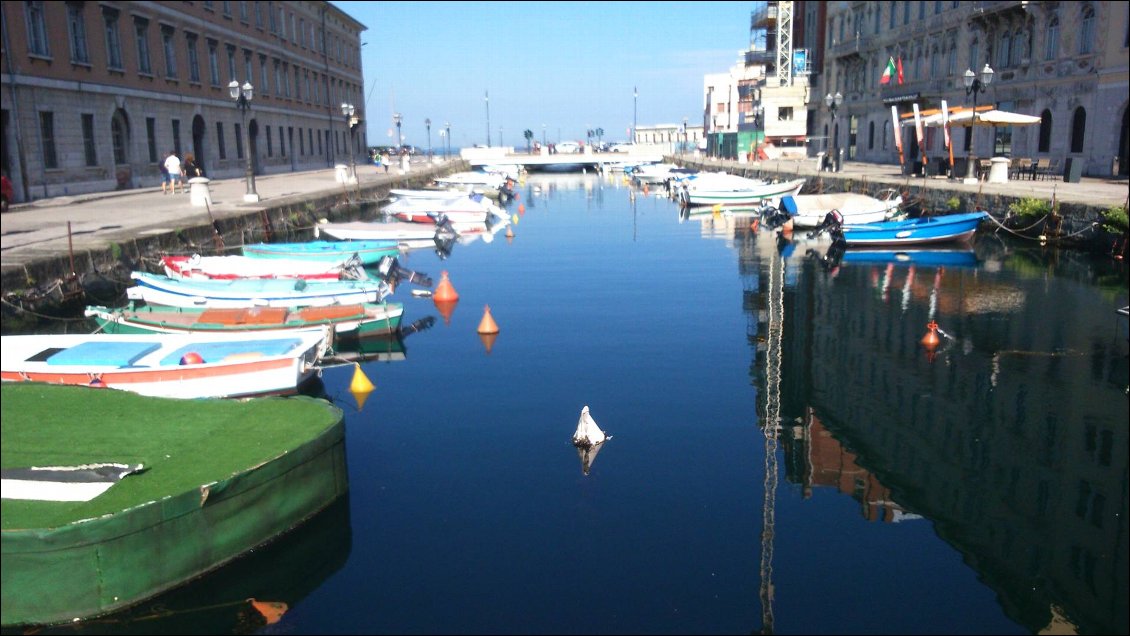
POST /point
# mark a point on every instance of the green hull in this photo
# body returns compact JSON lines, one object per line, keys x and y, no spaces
{"x":222,"y":477}
{"x":139,"y":321}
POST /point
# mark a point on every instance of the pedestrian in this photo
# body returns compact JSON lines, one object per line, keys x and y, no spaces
{"x":385,"y":160}
{"x":164,"y":174}
{"x":173,"y":165}
{"x":191,"y":170}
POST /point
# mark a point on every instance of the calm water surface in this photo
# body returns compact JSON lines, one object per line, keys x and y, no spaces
{"x":785,"y":455}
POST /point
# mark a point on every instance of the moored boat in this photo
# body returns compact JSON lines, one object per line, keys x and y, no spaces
{"x":734,"y":190}
{"x":945,"y":228}
{"x":809,"y":210}
{"x":369,"y":252}
{"x":155,"y":289}
{"x":234,"y":266}
{"x":355,"y":321}
{"x":168,"y":365}
{"x":242,"y":474}
{"x":407,"y":234}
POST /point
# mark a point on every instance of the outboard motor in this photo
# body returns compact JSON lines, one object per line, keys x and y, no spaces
{"x":391,"y":271}
{"x":833,"y":223}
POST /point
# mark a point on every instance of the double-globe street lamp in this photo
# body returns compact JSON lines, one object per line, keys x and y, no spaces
{"x":347,"y":111}
{"x":833,"y":103}
{"x":242,"y":97}
{"x":974,"y":85}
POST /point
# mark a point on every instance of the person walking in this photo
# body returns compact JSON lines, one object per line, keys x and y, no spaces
{"x":190,"y":168}
{"x":176,"y":172}
{"x":165,"y":174}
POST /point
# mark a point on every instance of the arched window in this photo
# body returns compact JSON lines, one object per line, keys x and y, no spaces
{"x":1045,"y":142}
{"x":871,"y":136}
{"x":1078,"y":127}
{"x":886,"y":135}
{"x":1087,"y":31}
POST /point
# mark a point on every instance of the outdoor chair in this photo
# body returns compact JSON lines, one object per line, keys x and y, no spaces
{"x":1019,"y":167}
{"x":1053,"y":170}
{"x":1040,"y":168}
{"x":983,"y":167}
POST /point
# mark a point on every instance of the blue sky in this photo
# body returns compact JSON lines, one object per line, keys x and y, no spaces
{"x":569,"y":65}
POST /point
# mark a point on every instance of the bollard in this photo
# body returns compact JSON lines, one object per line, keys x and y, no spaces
{"x":199,"y":192}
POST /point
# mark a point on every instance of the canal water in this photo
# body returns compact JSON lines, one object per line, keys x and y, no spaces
{"x":785,"y":455}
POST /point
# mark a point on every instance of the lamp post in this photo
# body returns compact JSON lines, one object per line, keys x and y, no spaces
{"x":242,"y":96}
{"x":543,"y":137}
{"x":347,"y":111}
{"x":974,"y":85}
{"x":683,"y":148}
{"x":396,"y":120}
{"x":447,"y":125}
{"x":833,"y":103}
{"x":486,"y":98}
{"x":428,"y":125}
{"x":443,"y":142}
{"x":635,"y":105}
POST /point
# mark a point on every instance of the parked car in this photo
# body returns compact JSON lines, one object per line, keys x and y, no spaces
{"x":567,"y":147}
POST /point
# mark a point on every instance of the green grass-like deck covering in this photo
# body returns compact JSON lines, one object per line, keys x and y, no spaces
{"x":183,"y":444}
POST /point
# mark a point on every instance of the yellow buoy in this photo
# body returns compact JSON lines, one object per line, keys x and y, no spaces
{"x":514,"y":218}
{"x":360,"y":382}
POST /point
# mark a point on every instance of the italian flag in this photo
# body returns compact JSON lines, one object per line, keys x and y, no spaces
{"x":888,"y":72}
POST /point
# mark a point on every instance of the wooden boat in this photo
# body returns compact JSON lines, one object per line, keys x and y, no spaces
{"x":407,"y":234}
{"x":946,"y":228}
{"x":155,"y":289}
{"x":217,"y":479}
{"x":355,"y":321}
{"x":369,"y":252}
{"x":809,"y":210}
{"x":234,"y":266}
{"x":726,"y":189}
{"x":168,"y":365}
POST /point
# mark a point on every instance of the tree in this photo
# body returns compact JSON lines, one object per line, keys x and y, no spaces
{"x":529,"y":134}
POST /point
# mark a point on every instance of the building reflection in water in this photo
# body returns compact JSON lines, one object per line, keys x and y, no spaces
{"x":1010,"y":438}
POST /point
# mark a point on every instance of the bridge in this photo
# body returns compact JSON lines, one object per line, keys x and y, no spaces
{"x":544,"y":161}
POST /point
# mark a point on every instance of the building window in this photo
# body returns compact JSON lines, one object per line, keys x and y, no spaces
{"x":176,"y":136}
{"x":243,"y":13}
{"x":247,"y":72}
{"x":263,"y":84}
{"x":258,"y":15}
{"x":1051,"y":38}
{"x":227,"y":8}
{"x":1078,"y":127}
{"x":297,"y":83}
{"x":213,"y":62}
{"x":141,"y":36}
{"x":871,"y":135}
{"x":231,"y":64}
{"x":1087,"y":34}
{"x":88,"y":139}
{"x":278,"y":80}
{"x":238,"y":142}
{"x":36,"y":29}
{"x":310,"y":139}
{"x":1045,"y":139}
{"x":220,"y":147}
{"x":151,"y":136}
{"x":906,"y":12}
{"x":169,"y":42}
{"x":270,"y":146}
{"x":118,"y":138}
{"x":785,"y":113}
{"x":301,"y":144}
{"x":271,"y":16}
{"x":193,"y":58}
{"x":282,"y":145}
{"x":76,"y":30}
{"x":113,"y":40}
{"x":47,"y":139}
{"x":1004,"y":53}
{"x":894,"y":7}
{"x":320,"y":145}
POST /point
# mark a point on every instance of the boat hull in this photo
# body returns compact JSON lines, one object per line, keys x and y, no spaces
{"x":742,"y":196}
{"x":162,"y":290}
{"x":111,"y":561}
{"x":950,"y":228}
{"x":355,"y":321}
{"x":369,"y":252}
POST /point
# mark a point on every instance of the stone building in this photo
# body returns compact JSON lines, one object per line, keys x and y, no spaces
{"x":1065,"y":62}
{"x":95,"y":94}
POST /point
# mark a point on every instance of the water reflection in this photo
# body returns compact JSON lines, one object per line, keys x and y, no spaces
{"x":1010,"y":438}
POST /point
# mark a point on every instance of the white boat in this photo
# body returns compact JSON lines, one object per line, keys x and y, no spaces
{"x":809,"y":210}
{"x":727,"y":189}
{"x":459,"y":209}
{"x":235,"y":266}
{"x":407,"y":234}
{"x":474,"y":179}
{"x":254,"y":292}
{"x":168,"y":365}
{"x":658,"y":173}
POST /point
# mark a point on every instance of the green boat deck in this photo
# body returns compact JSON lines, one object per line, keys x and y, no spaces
{"x":221,"y":477}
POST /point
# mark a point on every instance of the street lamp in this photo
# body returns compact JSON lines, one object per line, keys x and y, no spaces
{"x":428,"y":125}
{"x":833,"y":103}
{"x":974,"y":85}
{"x":447,"y":125}
{"x":486,"y":98}
{"x":443,"y":142}
{"x":683,"y":149}
{"x":242,"y":97}
{"x":347,"y":111}
{"x":399,"y":139}
{"x":543,"y":137}
{"x":635,"y":105}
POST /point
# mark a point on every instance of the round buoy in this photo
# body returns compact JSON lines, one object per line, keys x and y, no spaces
{"x":191,"y":358}
{"x":487,"y":324}
{"x":931,"y":339}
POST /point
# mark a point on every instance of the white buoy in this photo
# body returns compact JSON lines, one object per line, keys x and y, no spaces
{"x":588,"y":433}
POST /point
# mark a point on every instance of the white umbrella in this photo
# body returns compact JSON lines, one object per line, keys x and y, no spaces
{"x":964,"y":119}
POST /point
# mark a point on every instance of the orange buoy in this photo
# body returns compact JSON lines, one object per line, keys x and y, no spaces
{"x":444,"y":290}
{"x":521,"y":208}
{"x":488,"y":340}
{"x":446,"y":308}
{"x":931,"y":339}
{"x":509,"y":232}
{"x":191,"y":358}
{"x":487,"y":324}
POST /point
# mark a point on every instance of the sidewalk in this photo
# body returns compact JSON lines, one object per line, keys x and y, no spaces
{"x":38,"y":230}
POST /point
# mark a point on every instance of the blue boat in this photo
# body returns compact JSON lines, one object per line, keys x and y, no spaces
{"x":920,"y":231}
{"x":370,"y":252}
{"x":923,"y":257}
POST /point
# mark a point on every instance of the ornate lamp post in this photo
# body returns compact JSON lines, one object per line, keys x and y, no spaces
{"x":399,"y":139}
{"x":447,"y":125}
{"x":428,"y":125}
{"x":833,"y":103}
{"x":347,"y":111}
{"x":242,"y":97}
{"x":974,"y":85}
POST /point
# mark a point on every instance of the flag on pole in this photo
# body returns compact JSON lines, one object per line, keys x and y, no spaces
{"x":900,"y":69}
{"x":888,"y":72}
